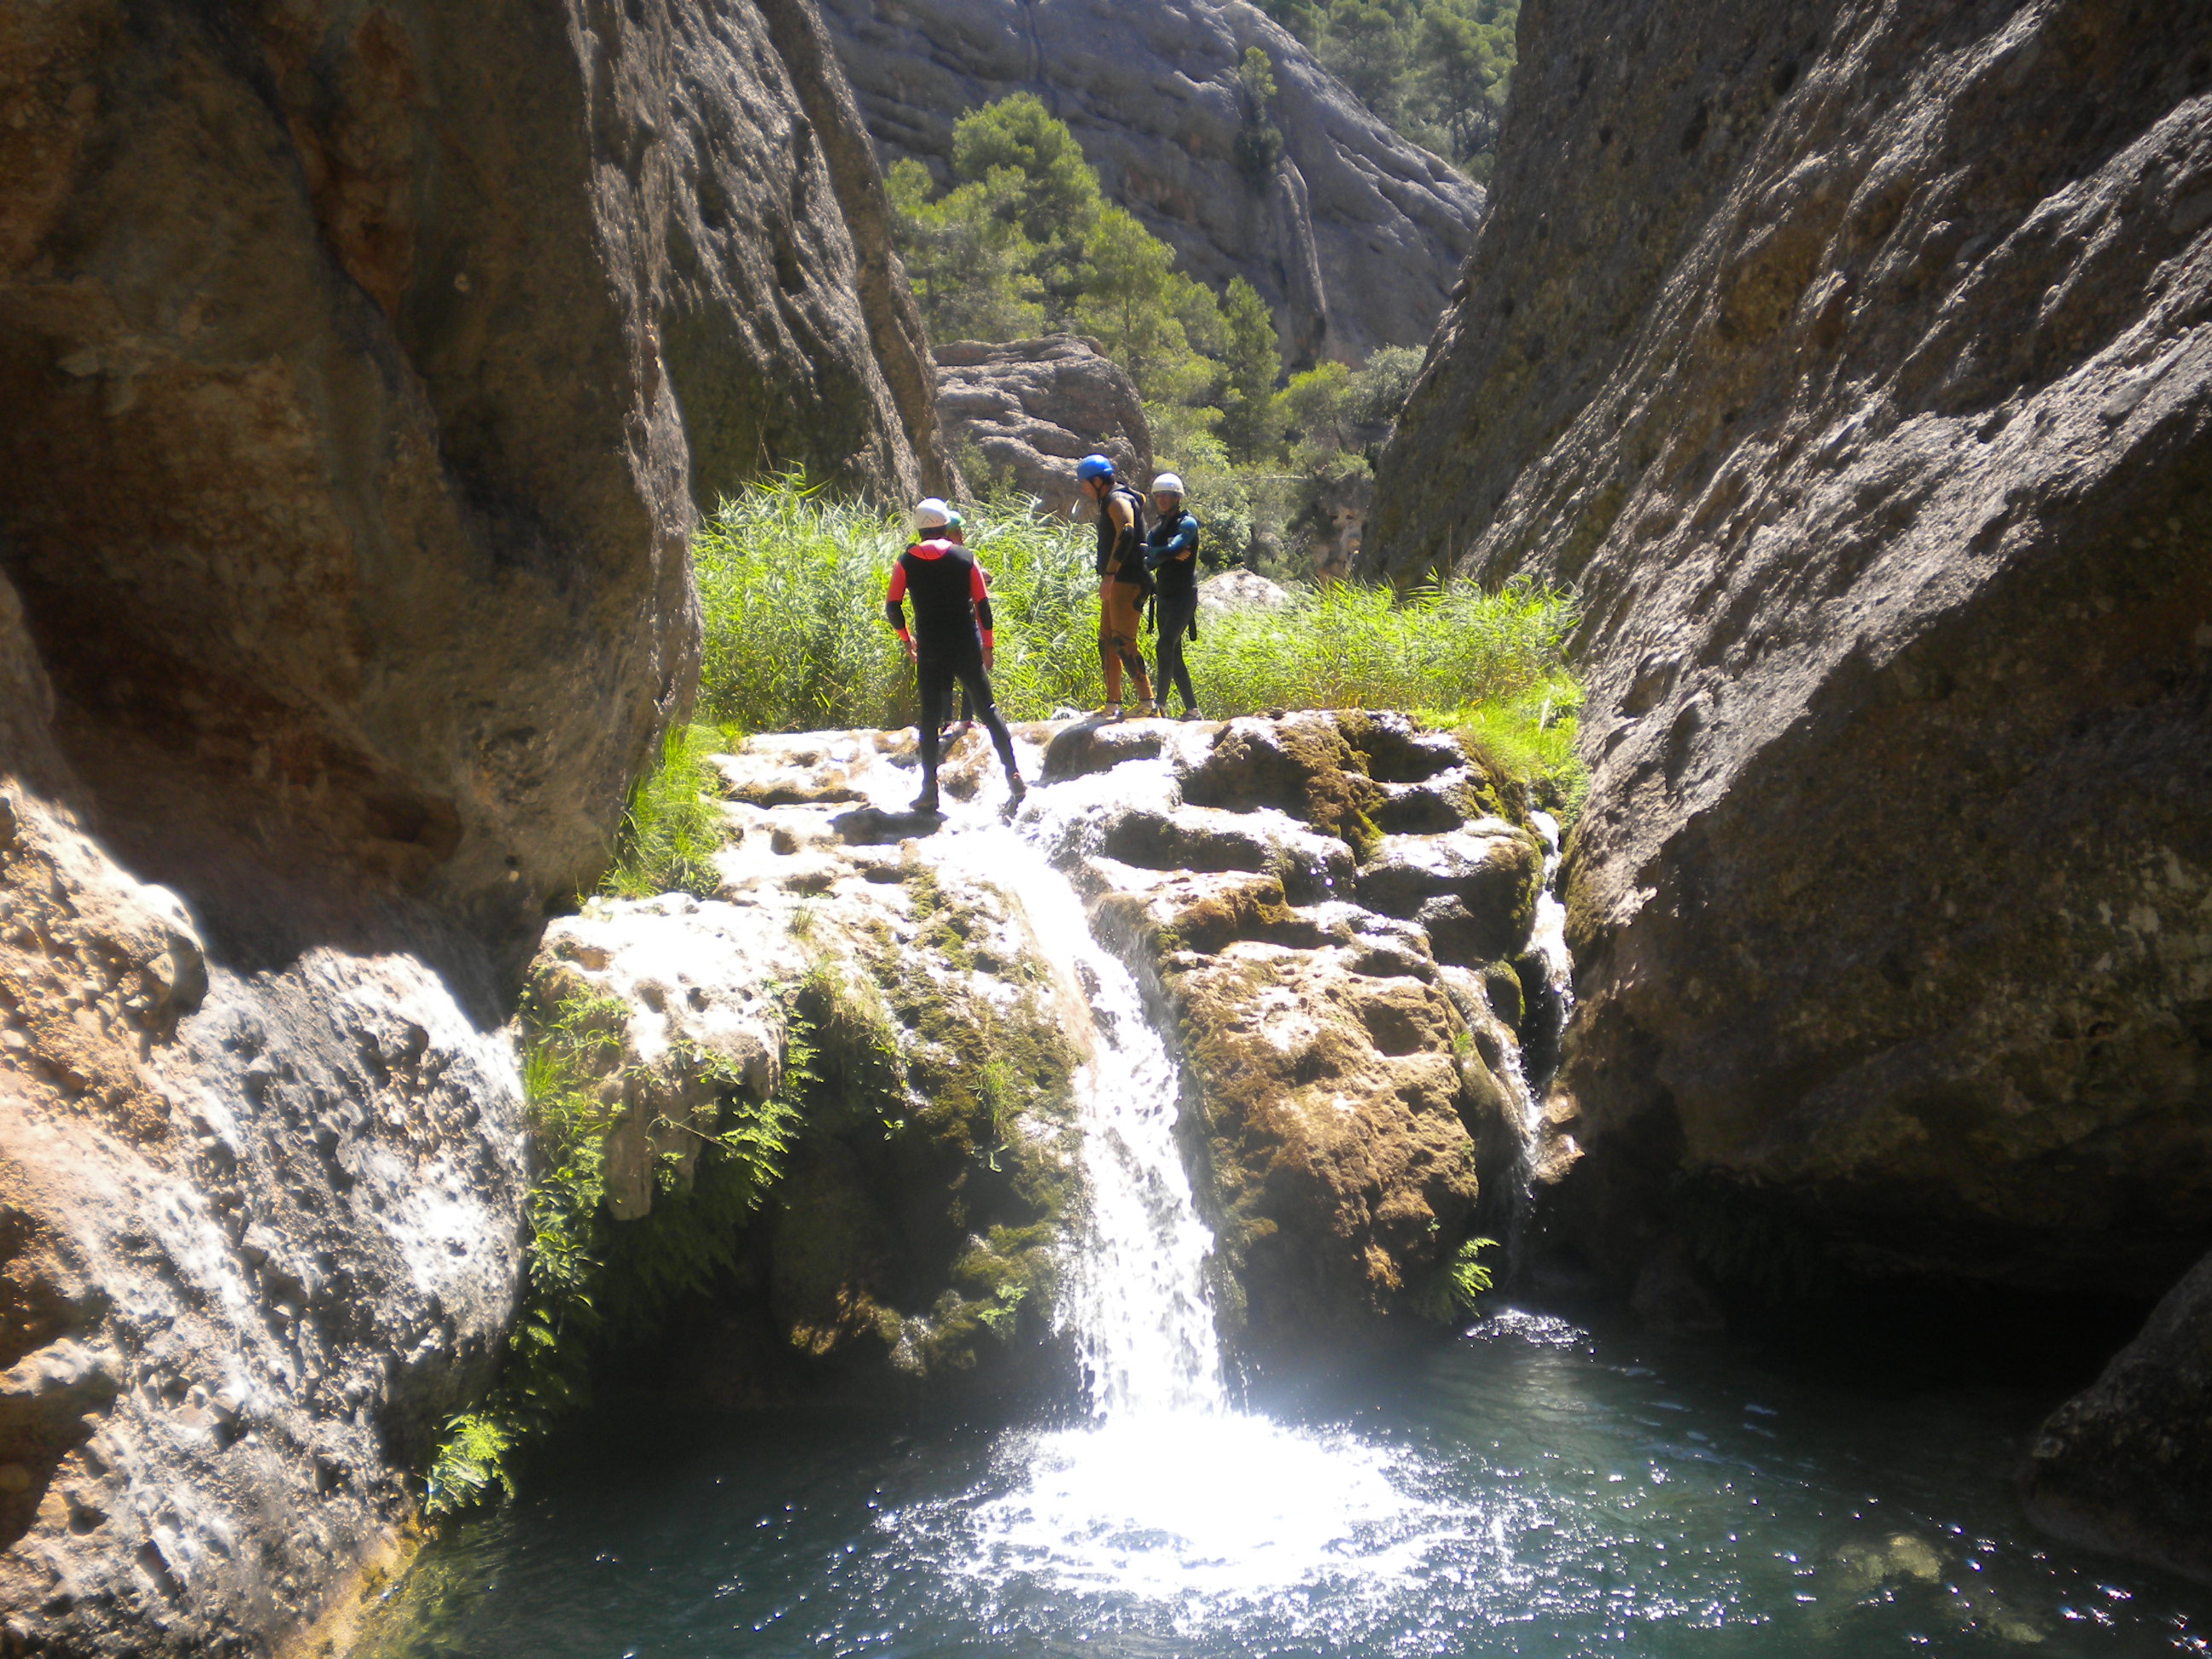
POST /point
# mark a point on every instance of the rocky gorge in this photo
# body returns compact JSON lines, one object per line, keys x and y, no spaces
{"x":1331,"y":915}
{"x":368,"y":362}
{"x":363,"y":365}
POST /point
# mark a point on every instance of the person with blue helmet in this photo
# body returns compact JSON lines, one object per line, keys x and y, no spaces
{"x":1124,"y":582}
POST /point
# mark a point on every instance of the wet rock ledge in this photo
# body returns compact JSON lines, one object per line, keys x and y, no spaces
{"x":1330,"y":914}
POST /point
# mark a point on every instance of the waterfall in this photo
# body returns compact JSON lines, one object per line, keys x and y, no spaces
{"x":1165,"y":1490}
{"x":1542,"y":1031}
{"x":1135,"y":1296}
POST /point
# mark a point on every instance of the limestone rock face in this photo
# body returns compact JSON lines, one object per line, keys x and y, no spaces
{"x":1241,"y":590}
{"x":1352,"y":235}
{"x":1033,"y":408}
{"x":909,"y":1246}
{"x":2126,"y":1467}
{"x":258,"y":1239}
{"x":1851,"y":364}
{"x":1354,"y":1073}
{"x":360,"y":367}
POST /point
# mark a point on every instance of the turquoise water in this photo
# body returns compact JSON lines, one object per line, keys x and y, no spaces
{"x":1530,"y":1489}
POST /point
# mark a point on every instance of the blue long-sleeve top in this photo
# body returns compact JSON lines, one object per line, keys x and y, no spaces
{"x":1172,"y":553}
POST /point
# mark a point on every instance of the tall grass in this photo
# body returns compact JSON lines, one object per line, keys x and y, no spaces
{"x":791,"y":583}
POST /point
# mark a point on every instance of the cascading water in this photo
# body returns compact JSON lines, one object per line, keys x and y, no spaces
{"x":1135,"y":1296}
{"x":1531,"y":1489}
{"x":1529,"y":1065}
{"x":1166,"y":1492}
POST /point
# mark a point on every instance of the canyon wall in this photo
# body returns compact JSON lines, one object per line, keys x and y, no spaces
{"x":1352,"y":234}
{"x":1852,"y":363}
{"x":361,"y":365}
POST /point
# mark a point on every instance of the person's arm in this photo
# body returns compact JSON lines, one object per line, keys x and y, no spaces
{"x":979,"y":590}
{"x":895,"y":609}
{"x":1125,"y":532}
{"x":1183,"y":543}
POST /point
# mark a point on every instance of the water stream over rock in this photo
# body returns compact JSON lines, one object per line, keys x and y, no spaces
{"x":1532,"y":1487}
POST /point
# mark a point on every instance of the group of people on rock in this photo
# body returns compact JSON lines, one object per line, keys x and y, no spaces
{"x":951,"y":644}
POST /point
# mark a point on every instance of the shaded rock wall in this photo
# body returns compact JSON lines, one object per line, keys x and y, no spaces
{"x":2127,"y":1466}
{"x":258,"y":1235}
{"x":360,"y":366}
{"x":365,"y":362}
{"x":1352,"y":236}
{"x":1852,"y":363}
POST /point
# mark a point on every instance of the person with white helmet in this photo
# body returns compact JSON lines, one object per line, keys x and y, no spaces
{"x":952,"y":640}
{"x":1122,"y":582}
{"x":1171,"y":555}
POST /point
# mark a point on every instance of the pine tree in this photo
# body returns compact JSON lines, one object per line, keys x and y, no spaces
{"x":1252,"y":361}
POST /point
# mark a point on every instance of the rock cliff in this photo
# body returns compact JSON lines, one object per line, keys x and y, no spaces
{"x":1852,"y":363}
{"x":361,"y":365}
{"x":1352,"y":235}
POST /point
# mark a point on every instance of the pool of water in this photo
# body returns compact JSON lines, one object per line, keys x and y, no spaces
{"x":1530,"y":1489}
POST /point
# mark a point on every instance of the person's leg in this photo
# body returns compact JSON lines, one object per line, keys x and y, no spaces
{"x":1126,"y":623}
{"x":1175,"y":615}
{"x":934,"y":688}
{"x":1110,"y":645}
{"x":976,"y":688}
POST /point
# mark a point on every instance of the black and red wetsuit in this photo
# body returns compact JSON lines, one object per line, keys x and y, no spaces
{"x":951,"y":627}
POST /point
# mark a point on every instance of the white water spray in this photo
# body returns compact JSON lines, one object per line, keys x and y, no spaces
{"x":1166,"y":1493}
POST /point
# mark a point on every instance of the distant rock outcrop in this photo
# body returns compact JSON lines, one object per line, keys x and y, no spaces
{"x":362,"y":366}
{"x":1853,"y":364}
{"x":1032,"y":409}
{"x":1353,"y":234}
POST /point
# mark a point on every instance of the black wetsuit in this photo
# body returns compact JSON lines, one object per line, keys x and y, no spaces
{"x":950,"y":605}
{"x":1171,"y":552}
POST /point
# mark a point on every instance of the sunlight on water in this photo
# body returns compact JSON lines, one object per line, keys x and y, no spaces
{"x":1205,"y":1513}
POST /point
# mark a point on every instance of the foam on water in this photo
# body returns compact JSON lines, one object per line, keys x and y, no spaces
{"x":1167,"y":1493}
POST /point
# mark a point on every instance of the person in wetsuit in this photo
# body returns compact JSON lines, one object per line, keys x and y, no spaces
{"x":951,"y":643}
{"x":1122,"y":582}
{"x":1171,"y":555}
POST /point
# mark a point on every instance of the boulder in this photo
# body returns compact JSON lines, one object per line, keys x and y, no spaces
{"x":1855,"y":379}
{"x":1350,"y":234}
{"x":1473,"y":888}
{"x":1240,"y":590}
{"x":1355,"y":1086}
{"x":1029,"y":411}
{"x":2126,"y":1466}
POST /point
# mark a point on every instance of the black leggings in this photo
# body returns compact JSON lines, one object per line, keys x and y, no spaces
{"x":936,"y":673}
{"x":1174,"y":613}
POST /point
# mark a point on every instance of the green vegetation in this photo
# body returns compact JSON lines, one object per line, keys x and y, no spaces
{"x":791,"y":583}
{"x":1457,"y":1285}
{"x":587,"y":1283}
{"x":673,"y":824}
{"x":1436,"y":70}
{"x":1024,"y":239}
